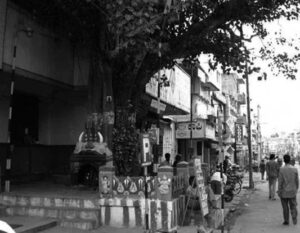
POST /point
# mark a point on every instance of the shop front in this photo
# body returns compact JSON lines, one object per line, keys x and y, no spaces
{"x":196,"y":139}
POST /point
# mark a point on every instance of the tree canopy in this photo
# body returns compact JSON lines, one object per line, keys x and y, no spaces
{"x":127,"y":33}
{"x":130,"y":40}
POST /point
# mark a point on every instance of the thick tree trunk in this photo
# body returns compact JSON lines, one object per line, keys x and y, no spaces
{"x":101,"y":97}
{"x":126,"y":146}
{"x":117,"y":124}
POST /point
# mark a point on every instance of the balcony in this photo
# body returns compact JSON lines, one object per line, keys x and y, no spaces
{"x":209,"y":86}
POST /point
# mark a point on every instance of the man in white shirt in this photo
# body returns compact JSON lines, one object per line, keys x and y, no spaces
{"x":215,"y":181}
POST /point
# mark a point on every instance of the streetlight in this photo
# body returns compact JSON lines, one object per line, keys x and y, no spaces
{"x":10,"y":151}
{"x":162,"y":81}
{"x":251,"y":184}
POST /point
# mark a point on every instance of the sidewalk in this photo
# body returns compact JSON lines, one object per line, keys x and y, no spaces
{"x":262,"y":215}
{"x":229,"y":208}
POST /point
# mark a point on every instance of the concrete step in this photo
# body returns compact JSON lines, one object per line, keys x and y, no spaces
{"x":83,"y":225}
{"x":23,"y":200}
{"x":23,"y":224}
{"x":67,"y":211}
{"x":38,"y":227}
{"x":58,"y":213}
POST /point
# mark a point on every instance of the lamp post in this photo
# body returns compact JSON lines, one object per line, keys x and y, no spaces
{"x":162,"y":81}
{"x":10,"y":150}
{"x":251,"y":184}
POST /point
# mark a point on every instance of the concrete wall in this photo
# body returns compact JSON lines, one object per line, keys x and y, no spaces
{"x":44,"y":53}
{"x":3,"y":4}
{"x":4,"y":104}
{"x":61,"y":122}
{"x":43,"y":62}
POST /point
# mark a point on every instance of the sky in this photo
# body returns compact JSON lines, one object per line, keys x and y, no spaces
{"x":278,"y":97}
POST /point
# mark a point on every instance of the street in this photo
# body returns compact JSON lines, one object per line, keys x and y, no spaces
{"x":261,"y":214}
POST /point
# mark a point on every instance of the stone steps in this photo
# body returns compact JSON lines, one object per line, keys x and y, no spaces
{"x":69,"y":212}
{"x":41,"y":226}
{"x":66,"y":202}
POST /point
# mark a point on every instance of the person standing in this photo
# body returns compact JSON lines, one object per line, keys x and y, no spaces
{"x":272,"y":169}
{"x":216,"y":181}
{"x":226,"y":164}
{"x":262,"y":168}
{"x":288,"y":184}
{"x":166,"y":162}
{"x":177,"y":160}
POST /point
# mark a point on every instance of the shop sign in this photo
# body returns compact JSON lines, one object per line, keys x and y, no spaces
{"x":230,"y":123}
{"x":200,"y":186}
{"x":210,"y":132}
{"x":146,"y":157}
{"x":177,"y":93}
{"x":238,"y":133}
{"x":154,"y":104}
{"x":184,"y":130}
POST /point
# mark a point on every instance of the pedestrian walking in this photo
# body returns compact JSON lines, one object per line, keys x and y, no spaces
{"x":272,"y":169}
{"x":288,"y":184}
{"x":262,"y":168}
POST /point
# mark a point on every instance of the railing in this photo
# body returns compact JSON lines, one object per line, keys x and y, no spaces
{"x":166,"y":185}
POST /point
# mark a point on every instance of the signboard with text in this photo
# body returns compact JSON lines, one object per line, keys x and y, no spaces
{"x":199,"y":129}
{"x":177,"y":93}
{"x":146,"y":156}
{"x":200,"y":186}
{"x":238,"y":133}
{"x":184,"y":129}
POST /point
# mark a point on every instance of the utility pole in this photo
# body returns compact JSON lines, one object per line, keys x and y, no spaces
{"x":251,"y":184}
{"x":221,"y":160}
{"x":259,"y":134}
{"x":190,"y":151}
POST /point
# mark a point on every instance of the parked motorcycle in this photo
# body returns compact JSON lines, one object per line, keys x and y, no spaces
{"x":233,"y":186}
{"x":229,"y":191}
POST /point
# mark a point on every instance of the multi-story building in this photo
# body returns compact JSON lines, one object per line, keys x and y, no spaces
{"x":235,"y":122}
{"x":196,"y":133}
{"x":50,"y":103}
{"x":174,"y":99}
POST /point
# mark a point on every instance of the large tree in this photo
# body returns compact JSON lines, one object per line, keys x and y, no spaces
{"x":125,"y":37}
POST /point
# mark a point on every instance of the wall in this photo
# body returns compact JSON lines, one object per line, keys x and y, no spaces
{"x":61,"y":121}
{"x":4,"y":104}
{"x":47,"y":67}
{"x":43,"y":53}
{"x":178,"y":93}
{"x":3,"y":4}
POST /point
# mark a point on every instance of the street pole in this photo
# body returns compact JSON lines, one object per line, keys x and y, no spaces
{"x":221,"y":159}
{"x":10,"y":150}
{"x":191,"y":118}
{"x":235,"y":140}
{"x":146,"y":201}
{"x":251,"y":184}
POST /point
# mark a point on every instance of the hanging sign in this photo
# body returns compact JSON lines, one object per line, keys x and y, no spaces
{"x":200,"y":186}
{"x":238,"y":133}
{"x":146,"y":157}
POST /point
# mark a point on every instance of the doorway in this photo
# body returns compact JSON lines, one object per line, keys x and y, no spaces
{"x":25,"y":119}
